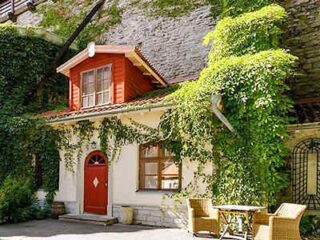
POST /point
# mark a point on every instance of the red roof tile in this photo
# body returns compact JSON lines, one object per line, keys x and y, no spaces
{"x":107,"y":108}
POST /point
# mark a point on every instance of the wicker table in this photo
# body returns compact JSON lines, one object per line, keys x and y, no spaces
{"x":236,"y":210}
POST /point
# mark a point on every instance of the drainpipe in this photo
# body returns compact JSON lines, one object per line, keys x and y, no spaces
{"x":216,"y":101}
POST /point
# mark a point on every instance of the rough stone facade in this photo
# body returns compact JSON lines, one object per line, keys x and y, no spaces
{"x":155,"y":216}
{"x":173,"y":45}
{"x":303,"y":39}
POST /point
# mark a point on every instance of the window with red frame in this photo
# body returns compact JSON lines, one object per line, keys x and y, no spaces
{"x":157,"y":169}
{"x":95,"y":87}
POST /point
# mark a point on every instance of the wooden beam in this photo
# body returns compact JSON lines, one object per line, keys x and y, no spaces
{"x":51,"y":70}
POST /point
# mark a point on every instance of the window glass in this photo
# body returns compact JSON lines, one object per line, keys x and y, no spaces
{"x":150,"y":182}
{"x":88,"y":89}
{"x":103,"y":85}
{"x":158,"y":169}
{"x":96,"y":87}
{"x":150,"y":151}
{"x":170,"y":176}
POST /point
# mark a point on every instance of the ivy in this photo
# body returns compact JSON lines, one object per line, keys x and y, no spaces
{"x":64,"y":16}
{"x":24,"y":57}
{"x":250,"y":73}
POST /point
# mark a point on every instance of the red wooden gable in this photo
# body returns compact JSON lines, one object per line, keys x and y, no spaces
{"x":128,"y":80}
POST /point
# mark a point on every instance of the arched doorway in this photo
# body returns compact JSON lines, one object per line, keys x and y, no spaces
{"x":306,"y":173}
{"x":96,"y":183}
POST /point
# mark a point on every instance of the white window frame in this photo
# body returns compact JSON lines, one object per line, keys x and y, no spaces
{"x":95,"y":93}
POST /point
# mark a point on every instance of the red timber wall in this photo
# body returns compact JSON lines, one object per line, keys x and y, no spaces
{"x":99,"y":60}
{"x":127,"y":80}
{"x":135,"y":83}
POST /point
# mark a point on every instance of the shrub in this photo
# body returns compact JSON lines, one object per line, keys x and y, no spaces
{"x":16,"y":200}
{"x":310,"y":225}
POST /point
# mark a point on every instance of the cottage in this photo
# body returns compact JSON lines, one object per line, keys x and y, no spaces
{"x":106,"y":81}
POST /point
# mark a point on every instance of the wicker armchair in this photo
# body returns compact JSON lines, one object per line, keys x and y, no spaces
{"x":202,"y":216}
{"x":283,"y":225}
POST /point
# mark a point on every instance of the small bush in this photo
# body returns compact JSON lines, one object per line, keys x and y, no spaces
{"x":17,"y":200}
{"x":310,"y":225}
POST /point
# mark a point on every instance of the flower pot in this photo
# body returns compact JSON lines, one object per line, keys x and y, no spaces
{"x":57,"y":209}
{"x":126,"y":215}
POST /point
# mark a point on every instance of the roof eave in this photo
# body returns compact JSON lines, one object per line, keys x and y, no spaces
{"x":130,"y":52}
{"x":94,"y":115}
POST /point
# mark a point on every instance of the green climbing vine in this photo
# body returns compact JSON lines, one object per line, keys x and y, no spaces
{"x":64,"y":16}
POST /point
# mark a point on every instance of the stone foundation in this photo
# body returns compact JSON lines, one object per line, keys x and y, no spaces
{"x":156,"y":216}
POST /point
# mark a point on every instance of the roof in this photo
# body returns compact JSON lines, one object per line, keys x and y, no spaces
{"x":306,"y":111}
{"x":147,"y":102}
{"x":130,"y":52}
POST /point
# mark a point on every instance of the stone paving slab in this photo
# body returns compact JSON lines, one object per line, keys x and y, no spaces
{"x":59,"y":230}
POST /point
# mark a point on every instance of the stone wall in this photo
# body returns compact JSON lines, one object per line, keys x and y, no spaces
{"x":156,"y":216}
{"x":303,"y":39}
{"x":173,"y":45}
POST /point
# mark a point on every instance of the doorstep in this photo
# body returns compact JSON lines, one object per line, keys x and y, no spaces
{"x":89,"y":218}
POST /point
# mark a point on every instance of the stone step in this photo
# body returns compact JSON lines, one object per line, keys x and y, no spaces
{"x":89,"y":218}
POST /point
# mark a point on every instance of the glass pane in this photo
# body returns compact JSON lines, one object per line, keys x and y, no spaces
{"x":150,"y":151}
{"x":170,"y":182}
{"x":106,"y":97}
{"x":106,"y":85}
{"x":166,"y":153}
{"x":169,"y":168}
{"x":90,"y":100}
{"x":107,"y":73}
{"x":100,"y":98}
{"x":87,"y":88}
{"x":99,"y":80}
{"x":84,"y":101}
{"x":150,"y":182}
{"x":151,"y":168}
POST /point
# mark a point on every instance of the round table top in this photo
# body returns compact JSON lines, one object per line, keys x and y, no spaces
{"x":239,"y":208}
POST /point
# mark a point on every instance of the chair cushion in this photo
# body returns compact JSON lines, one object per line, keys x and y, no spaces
{"x":261,"y":232}
{"x":289,"y":210}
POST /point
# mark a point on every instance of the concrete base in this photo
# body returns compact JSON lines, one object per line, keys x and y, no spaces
{"x":89,"y":218}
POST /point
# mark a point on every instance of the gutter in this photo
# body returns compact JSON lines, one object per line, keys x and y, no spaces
{"x":216,"y":101}
{"x":111,"y":112}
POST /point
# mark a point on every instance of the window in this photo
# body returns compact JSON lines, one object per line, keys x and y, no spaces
{"x":306,"y":173}
{"x":158,"y":171}
{"x":95,"y":85}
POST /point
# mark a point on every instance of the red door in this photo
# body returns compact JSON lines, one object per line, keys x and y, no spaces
{"x":96,"y":183}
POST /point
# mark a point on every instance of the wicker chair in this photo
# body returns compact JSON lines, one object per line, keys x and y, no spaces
{"x":283,"y":225}
{"x":202,"y":216}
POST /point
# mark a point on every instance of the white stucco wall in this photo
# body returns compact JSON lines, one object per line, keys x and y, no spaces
{"x":123,"y":174}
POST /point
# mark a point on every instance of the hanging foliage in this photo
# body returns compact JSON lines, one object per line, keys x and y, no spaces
{"x":253,"y":88}
{"x":24,"y":57}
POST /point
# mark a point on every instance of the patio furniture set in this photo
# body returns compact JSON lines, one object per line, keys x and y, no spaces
{"x":282,"y":225}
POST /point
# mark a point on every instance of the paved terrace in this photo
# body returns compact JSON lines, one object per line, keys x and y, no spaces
{"x":58,"y":230}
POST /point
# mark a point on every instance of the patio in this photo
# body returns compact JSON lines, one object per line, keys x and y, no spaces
{"x":54,"y":229}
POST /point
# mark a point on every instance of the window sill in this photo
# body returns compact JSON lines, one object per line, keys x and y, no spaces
{"x":156,"y":191}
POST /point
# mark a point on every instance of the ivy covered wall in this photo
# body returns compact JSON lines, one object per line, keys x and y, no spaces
{"x":25,"y":56}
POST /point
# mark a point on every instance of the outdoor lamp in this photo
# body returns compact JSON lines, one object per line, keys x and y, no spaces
{"x":93,"y":145}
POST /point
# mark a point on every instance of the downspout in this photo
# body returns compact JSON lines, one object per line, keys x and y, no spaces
{"x":216,"y":101}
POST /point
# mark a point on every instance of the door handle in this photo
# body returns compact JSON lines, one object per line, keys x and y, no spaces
{"x":106,"y":184}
